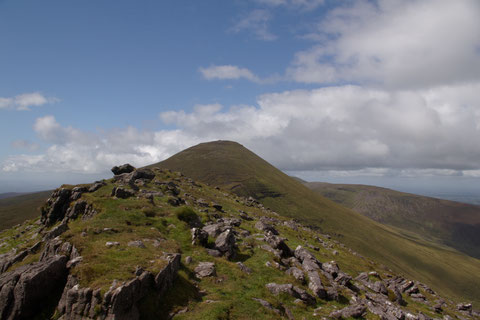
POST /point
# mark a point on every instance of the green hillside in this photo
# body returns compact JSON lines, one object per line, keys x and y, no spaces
{"x":155,"y":244}
{"x":230,"y":165}
{"x":448,"y":222}
{"x":17,"y":209}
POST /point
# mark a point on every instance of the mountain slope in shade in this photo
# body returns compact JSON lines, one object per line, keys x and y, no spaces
{"x":17,"y":209}
{"x":452,"y":223}
{"x":232,"y":166}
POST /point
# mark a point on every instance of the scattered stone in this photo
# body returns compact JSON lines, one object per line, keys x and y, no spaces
{"x":199,"y":237}
{"x":217,"y":206}
{"x":205,"y":269}
{"x":110,"y":244}
{"x":267,"y":305}
{"x":122,"y":193}
{"x":245,"y":216}
{"x":464,"y":307}
{"x":214,"y":253}
{"x":296,"y":273}
{"x":137,"y":243}
{"x":353,"y":311}
{"x":260,"y":225}
{"x":244,"y":268}
{"x":188,"y":260}
{"x":315,"y":285}
{"x":278,"y":243}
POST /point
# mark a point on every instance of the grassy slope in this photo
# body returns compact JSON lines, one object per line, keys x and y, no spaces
{"x":231,"y":165}
{"x":452,"y":223}
{"x":227,"y":296}
{"x":14,"y":210}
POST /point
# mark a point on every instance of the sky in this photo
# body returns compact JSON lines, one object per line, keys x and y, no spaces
{"x":382,"y":92}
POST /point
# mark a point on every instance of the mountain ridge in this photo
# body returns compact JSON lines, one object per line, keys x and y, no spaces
{"x":229,"y":165}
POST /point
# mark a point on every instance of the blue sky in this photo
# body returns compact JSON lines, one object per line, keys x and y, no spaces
{"x":382,"y":92}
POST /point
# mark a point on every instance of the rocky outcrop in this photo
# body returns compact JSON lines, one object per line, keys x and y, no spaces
{"x":25,"y":291}
{"x":199,"y":237}
{"x":279,"y":244}
{"x":56,"y":206}
{"x":353,"y":311}
{"x":125,"y":168}
{"x":120,"y":302}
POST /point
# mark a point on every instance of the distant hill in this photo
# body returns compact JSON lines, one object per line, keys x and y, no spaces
{"x":452,"y":223}
{"x":9,"y":194}
{"x":17,"y":209}
{"x":232,"y":166}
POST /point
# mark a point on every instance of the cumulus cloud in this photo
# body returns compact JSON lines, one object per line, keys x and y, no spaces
{"x":228,"y":72}
{"x":256,"y":22}
{"x":399,"y":44}
{"x":337,"y":129}
{"x":24,"y":144}
{"x":23,"y":102}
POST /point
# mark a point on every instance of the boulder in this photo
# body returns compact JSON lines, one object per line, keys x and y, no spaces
{"x":125,"y":168}
{"x":353,"y":311}
{"x":279,"y":244}
{"x":331,"y":268}
{"x":225,"y":243}
{"x":199,"y":237}
{"x":122,"y":193}
{"x":26,"y":290}
{"x":205,"y":269}
{"x":296,"y":273}
{"x":315,"y":285}
{"x":56,"y":206}
{"x":262,"y":226}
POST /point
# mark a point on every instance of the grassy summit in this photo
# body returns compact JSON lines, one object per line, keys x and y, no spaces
{"x":232,"y":166}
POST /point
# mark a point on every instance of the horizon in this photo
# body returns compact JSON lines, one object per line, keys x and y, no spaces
{"x":380,"y":92}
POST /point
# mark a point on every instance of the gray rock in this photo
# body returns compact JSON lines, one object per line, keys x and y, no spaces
{"x":331,"y":268}
{"x":309,"y":262}
{"x":25,"y":291}
{"x":215,"y":229}
{"x":353,"y":311}
{"x":296,"y":273}
{"x":379,"y":287}
{"x":276,"y":289}
{"x":125,"y":168}
{"x":56,"y":206}
{"x":315,"y":285}
{"x":214,"y":253}
{"x":110,"y":244}
{"x":225,"y":243}
{"x":199,"y":237}
{"x":205,"y":269}
{"x":260,"y":225}
{"x":244,"y":268}
{"x":464,"y":307}
{"x":122,"y":193}
{"x":279,"y":244}
{"x":267,"y":305}
{"x":137,"y":243}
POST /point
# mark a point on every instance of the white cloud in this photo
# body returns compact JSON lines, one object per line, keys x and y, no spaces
{"x":228,"y":72}
{"x":257,"y":23}
{"x":23,"y":102}
{"x":337,"y":129}
{"x":396,"y":43}
{"x":24,"y":144}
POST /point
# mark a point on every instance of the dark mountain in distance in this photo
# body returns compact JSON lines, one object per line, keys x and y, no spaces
{"x":9,"y":194}
{"x":231,"y":166}
{"x":17,"y":209}
{"x":452,"y":223}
